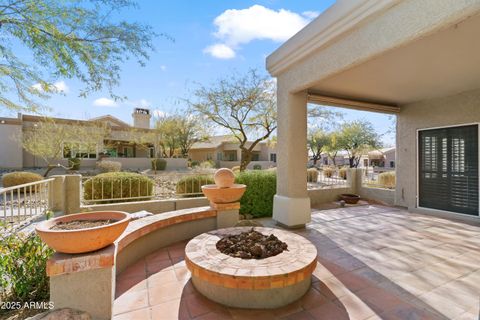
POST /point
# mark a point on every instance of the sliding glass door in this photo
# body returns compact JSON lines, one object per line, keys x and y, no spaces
{"x":448,"y":169}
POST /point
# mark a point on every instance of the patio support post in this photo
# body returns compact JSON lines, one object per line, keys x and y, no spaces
{"x":291,"y":206}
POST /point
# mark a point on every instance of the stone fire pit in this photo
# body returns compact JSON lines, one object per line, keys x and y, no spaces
{"x":251,"y":283}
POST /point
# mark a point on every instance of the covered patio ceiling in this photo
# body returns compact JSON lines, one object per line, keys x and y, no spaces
{"x":444,"y":63}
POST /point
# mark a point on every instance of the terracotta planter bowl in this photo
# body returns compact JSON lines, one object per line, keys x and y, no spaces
{"x":349,"y":198}
{"x":83,"y":240}
{"x":223,"y":195}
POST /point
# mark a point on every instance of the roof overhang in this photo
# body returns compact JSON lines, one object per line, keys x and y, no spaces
{"x":394,"y":53}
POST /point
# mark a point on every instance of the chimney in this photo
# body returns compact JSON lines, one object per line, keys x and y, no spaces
{"x":141,"y":118}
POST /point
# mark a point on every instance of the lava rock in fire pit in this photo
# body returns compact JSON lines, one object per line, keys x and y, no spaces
{"x":251,"y":245}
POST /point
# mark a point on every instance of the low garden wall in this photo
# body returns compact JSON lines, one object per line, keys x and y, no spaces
{"x":153,"y":206}
{"x":384,"y":196}
{"x":87,"y":281}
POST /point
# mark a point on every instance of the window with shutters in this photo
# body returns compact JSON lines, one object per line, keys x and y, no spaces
{"x":448,"y":169}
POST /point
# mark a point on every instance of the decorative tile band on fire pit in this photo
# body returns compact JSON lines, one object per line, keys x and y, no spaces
{"x":231,"y":281}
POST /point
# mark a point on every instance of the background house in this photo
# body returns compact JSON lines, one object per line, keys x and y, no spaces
{"x":225,"y":152}
{"x":118,"y":145}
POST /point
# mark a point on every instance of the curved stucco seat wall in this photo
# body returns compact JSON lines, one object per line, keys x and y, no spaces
{"x":87,"y":281}
{"x":149,"y":234}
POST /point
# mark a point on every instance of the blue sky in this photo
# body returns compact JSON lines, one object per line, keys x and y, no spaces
{"x":212,"y":39}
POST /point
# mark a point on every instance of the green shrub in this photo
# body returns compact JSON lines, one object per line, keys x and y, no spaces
{"x":194,"y":163}
{"x":328,"y":172}
{"x":312,"y":175}
{"x":387,"y":179}
{"x":23,"y":261}
{"x":109,"y":166}
{"x":118,"y":185}
{"x":191,"y":185}
{"x":342,"y":173}
{"x":209,"y":164}
{"x":159,"y":164}
{"x":261,"y":187}
{"x":74,"y":163}
{"x":17,"y":178}
{"x":257,"y":167}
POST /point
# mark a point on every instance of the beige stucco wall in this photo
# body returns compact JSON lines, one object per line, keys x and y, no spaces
{"x":201,"y":154}
{"x":459,"y":109}
{"x":11,"y":155}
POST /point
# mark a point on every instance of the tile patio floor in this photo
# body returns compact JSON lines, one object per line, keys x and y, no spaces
{"x":374,"y":263}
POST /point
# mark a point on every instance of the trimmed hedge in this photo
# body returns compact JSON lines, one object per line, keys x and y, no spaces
{"x":261,"y":187}
{"x":312,"y":175}
{"x":328,"y":172}
{"x":192,"y":184}
{"x":109,"y":166}
{"x":387,"y":179}
{"x":118,"y":185}
{"x":159,"y":164}
{"x":19,"y":177}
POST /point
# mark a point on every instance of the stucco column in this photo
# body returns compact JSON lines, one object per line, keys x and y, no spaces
{"x":291,"y":206}
{"x":73,"y":195}
{"x":57,"y":193}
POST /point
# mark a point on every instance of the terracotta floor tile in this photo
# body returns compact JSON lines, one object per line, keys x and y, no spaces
{"x":158,"y":255}
{"x":313,"y":298}
{"x":378,"y":299}
{"x":161,"y":278}
{"x":329,"y":311}
{"x":355,"y":307}
{"x":353,"y":282}
{"x":128,"y":284}
{"x":131,"y":301}
{"x":142,"y":314}
{"x":135,"y":270}
{"x":301,"y":315}
{"x":155,"y":266}
{"x":250,"y":314}
{"x":169,"y":310}
{"x":374,"y":262}
{"x":216,"y":315}
{"x":289,"y":309}
{"x":443,"y":305}
{"x":165,"y":292}
{"x":199,"y":305}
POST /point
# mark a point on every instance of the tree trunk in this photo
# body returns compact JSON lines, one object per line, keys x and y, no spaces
{"x":50,"y":167}
{"x":351,"y":161}
{"x":245,"y":160}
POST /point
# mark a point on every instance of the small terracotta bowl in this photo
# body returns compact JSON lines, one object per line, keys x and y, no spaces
{"x":223,"y":195}
{"x":349,"y":198}
{"x":83,"y":240}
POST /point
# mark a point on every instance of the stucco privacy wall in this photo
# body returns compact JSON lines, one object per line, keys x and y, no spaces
{"x":388,"y":25}
{"x":458,"y":109}
{"x":11,"y":152}
{"x":127,"y":163}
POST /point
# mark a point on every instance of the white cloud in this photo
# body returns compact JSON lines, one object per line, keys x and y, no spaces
{"x":221,"y":51}
{"x":241,"y":26}
{"x":311,"y":14}
{"x":105,"y":102}
{"x":59,"y":87}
